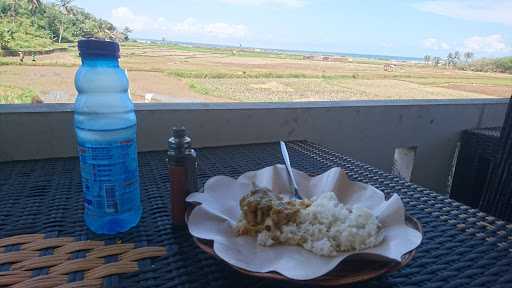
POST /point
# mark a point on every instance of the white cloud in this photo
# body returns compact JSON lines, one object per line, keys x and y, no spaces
{"x":123,"y":16}
{"x":435,"y":44}
{"x":494,"y":11}
{"x":219,"y":29}
{"x":223,"y":30}
{"x":487,"y":44}
{"x":279,"y":3}
{"x":188,"y":26}
{"x":483,"y":45}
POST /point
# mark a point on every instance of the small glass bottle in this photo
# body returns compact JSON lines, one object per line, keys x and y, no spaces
{"x":182,"y":161}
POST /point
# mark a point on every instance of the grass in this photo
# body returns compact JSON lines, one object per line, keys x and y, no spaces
{"x":503,"y":65}
{"x":197,"y":87}
{"x":269,"y":90}
{"x":175,"y":47}
{"x":430,"y":80}
{"x":261,"y":54}
{"x":28,"y":62}
{"x":231,"y":51}
{"x":49,"y":64}
{"x":15,"y":95}
{"x":204,"y":74}
{"x":7,"y":61}
{"x":223,"y":74}
{"x":42,"y":47}
{"x":459,"y":80}
{"x":288,"y":89}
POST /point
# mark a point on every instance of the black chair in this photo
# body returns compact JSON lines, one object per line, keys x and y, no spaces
{"x":478,"y":149}
{"x":497,"y":199}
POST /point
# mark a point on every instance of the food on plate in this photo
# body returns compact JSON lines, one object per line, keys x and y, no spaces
{"x":323,"y":225}
{"x":264,"y":210}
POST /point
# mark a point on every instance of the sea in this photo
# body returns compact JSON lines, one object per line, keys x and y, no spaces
{"x":351,"y":55}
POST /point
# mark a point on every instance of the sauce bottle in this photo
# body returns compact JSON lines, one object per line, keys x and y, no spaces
{"x":182,"y":164}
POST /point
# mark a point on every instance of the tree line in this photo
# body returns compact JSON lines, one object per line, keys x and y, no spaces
{"x":33,"y":24}
{"x":451,"y":60}
{"x":465,"y":61}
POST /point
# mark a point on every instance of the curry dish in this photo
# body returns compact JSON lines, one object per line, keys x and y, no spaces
{"x":264,"y":210}
{"x":322,"y":225}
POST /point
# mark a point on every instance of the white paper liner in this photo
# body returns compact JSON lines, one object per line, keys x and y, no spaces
{"x":219,"y":211}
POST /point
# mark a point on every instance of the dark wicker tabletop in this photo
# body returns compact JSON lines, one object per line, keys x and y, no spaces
{"x":462,"y":247}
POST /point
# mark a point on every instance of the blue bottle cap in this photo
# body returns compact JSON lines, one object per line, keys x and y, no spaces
{"x":97,"y":47}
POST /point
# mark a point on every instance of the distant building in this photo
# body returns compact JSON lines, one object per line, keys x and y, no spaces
{"x":340,"y":59}
{"x":327,"y":58}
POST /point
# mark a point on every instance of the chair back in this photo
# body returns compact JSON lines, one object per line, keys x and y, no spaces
{"x":498,"y":197}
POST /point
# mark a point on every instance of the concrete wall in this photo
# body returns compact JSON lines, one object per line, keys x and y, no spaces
{"x":368,"y":131}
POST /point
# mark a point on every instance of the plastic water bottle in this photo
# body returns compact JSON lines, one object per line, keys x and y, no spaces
{"x":105,"y":127}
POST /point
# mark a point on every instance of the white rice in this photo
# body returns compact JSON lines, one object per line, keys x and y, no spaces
{"x":327,"y":228}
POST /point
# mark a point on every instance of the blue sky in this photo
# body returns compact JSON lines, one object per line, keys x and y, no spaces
{"x":406,"y":28}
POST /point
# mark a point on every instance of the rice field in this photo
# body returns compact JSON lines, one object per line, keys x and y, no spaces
{"x":175,"y":73}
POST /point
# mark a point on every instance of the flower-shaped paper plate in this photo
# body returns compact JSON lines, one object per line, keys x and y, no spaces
{"x":212,"y":223}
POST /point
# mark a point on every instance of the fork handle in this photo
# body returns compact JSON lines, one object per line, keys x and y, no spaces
{"x":291,"y":178}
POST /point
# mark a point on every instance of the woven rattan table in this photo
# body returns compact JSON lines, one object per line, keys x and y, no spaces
{"x":462,"y":247}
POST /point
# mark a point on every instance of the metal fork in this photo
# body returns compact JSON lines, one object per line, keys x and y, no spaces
{"x":291,"y":180}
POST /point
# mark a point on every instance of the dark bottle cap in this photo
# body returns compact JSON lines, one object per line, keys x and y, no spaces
{"x":97,"y":47}
{"x":179,"y":139}
{"x":179,"y":132}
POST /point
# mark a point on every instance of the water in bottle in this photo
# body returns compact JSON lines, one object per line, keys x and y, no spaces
{"x":105,"y":127}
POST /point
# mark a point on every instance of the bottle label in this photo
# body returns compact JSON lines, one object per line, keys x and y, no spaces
{"x":177,"y":175}
{"x":110,"y":177}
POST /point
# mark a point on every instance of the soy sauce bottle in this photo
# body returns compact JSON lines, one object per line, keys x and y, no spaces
{"x":182,"y":161}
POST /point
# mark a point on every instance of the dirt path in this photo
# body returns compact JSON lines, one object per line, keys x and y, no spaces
{"x":55,"y":84}
{"x":165,"y":88}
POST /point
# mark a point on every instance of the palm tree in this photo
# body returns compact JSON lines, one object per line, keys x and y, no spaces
{"x":125,"y":33}
{"x":456,"y":57}
{"x":105,"y":30}
{"x":435,"y":61}
{"x":450,"y":59}
{"x":468,"y":56}
{"x":34,"y":4}
{"x":427,"y":59}
{"x":13,"y":10}
{"x":64,"y":7}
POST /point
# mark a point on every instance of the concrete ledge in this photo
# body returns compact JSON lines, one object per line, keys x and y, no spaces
{"x":32,"y":108}
{"x":368,"y":131}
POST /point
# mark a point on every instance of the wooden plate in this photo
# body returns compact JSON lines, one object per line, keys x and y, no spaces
{"x":355,"y":268}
